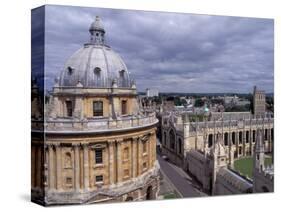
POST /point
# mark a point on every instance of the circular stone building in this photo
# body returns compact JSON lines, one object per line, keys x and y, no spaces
{"x":98,"y":146}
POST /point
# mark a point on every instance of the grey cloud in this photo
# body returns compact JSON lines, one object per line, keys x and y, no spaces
{"x":171,"y":51}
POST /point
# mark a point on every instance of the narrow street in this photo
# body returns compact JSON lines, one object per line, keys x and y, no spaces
{"x":181,"y":181}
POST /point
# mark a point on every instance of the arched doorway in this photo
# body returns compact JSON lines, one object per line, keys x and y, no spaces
{"x":149,"y":193}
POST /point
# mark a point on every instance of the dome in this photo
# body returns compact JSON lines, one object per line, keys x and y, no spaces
{"x":95,"y":64}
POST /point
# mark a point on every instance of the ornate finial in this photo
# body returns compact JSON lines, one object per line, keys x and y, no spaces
{"x":97,"y":32}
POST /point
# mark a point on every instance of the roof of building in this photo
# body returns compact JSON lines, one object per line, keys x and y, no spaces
{"x":95,"y":64}
{"x":234,"y":179}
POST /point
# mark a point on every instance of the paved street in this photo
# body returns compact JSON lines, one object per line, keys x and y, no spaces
{"x":181,"y":181}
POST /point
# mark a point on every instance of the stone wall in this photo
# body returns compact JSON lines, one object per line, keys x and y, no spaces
{"x":66,"y":166}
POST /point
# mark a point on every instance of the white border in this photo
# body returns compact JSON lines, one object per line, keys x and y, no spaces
{"x":15,"y":102}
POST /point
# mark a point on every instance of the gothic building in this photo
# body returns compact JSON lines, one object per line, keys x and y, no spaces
{"x":95,"y":145}
{"x":207,"y":149}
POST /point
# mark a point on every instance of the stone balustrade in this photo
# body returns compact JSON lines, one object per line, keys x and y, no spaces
{"x":95,"y":124}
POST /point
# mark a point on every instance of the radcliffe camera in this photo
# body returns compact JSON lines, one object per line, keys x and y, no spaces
{"x":135,"y":105}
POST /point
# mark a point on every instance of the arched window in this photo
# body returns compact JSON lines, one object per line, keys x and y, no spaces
{"x":172,"y":139}
{"x":240,"y":137}
{"x":67,"y":160}
{"x":272,"y":134}
{"x":247,"y":136}
{"x":210,"y":140}
{"x":226,"y":139}
{"x":265,"y":135}
{"x":233,"y":138}
{"x":254,"y":136}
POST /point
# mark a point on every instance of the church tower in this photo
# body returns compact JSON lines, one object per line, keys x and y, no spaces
{"x":258,"y":102}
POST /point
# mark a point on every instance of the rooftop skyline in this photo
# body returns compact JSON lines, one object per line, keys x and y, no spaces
{"x":171,"y":52}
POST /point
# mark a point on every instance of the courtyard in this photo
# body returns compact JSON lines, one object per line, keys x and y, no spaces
{"x":245,"y":165}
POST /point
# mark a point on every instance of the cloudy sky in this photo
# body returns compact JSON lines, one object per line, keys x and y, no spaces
{"x":170,"y":52}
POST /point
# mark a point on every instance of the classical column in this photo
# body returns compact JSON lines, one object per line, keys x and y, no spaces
{"x":139,"y":157}
{"x":134,"y":157}
{"x":33,"y":165}
{"x":46,"y":161}
{"x":229,"y":144}
{"x":269,"y":139}
{"x":119,"y":161}
{"x":38,"y":167}
{"x":76,"y":167}
{"x":148,"y":143}
{"x":111,"y":161}
{"x":51,"y":167}
{"x":237,"y":143}
{"x":86,"y":166}
{"x":58,"y":166}
{"x":150,"y":149}
{"x":244,"y":141}
{"x":56,"y":108}
{"x":153,"y":148}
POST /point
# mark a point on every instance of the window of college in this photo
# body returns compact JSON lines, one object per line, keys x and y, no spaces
{"x":98,"y":108}
{"x":69,"y":108}
{"x":98,"y":156}
{"x":99,"y":178}
{"x":124,"y":107}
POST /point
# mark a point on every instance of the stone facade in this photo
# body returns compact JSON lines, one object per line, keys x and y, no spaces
{"x":95,"y":144}
{"x":238,"y":135}
{"x":207,"y":150}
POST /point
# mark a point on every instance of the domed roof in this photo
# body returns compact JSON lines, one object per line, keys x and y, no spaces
{"x":95,"y":64}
